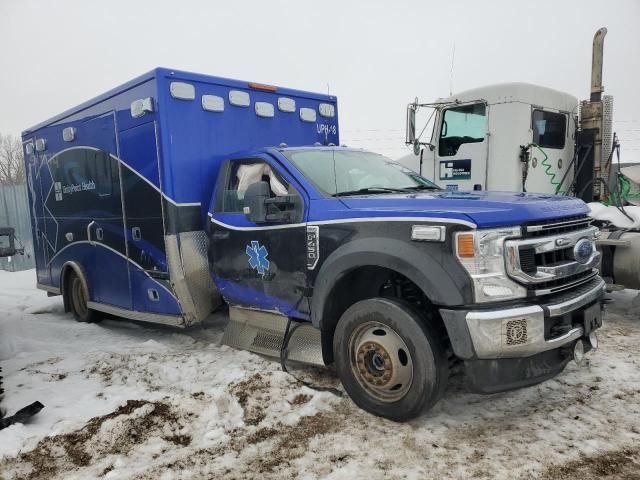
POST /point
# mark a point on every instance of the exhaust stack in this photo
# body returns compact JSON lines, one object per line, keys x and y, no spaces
{"x":596,"y":115}
{"x":596,"y":65}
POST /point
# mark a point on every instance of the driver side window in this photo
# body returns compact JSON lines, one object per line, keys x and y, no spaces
{"x":464,"y":124}
{"x":239,"y":175}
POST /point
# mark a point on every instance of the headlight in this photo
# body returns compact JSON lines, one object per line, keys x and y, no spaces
{"x":481,"y":253}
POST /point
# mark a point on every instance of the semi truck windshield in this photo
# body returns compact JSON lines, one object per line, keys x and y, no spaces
{"x":351,"y":172}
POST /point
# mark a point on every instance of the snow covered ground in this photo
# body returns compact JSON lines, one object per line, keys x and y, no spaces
{"x":135,"y":401}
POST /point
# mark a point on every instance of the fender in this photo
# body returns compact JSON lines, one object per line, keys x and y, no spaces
{"x":431,"y":266}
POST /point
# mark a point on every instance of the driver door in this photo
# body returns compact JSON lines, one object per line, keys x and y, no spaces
{"x":257,"y":265}
{"x":462,"y":147}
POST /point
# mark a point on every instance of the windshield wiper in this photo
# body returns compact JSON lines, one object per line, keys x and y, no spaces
{"x":371,"y":190}
{"x":424,"y":187}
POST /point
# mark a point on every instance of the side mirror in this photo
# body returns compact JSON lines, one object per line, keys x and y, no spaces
{"x":411,"y":138}
{"x":255,"y":202}
{"x":259,"y":207}
{"x":411,"y":124}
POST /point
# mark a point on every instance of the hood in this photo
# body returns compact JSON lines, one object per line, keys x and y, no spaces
{"x":485,"y":209}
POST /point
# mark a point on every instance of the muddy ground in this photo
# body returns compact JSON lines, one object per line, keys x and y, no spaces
{"x":184,"y":407}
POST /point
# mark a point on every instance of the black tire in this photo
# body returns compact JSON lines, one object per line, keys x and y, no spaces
{"x":78,"y":297}
{"x":371,"y":372}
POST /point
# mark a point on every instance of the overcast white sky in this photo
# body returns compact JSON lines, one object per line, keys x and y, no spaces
{"x":375,"y":56}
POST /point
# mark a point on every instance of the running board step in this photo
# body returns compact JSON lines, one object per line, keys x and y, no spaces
{"x":263,"y":333}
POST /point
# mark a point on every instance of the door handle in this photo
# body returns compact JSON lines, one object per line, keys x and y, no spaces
{"x":91,"y":224}
{"x":220,"y":235}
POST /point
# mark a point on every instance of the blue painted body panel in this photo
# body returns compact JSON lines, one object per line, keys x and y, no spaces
{"x":192,"y":140}
{"x":485,"y":209}
{"x":236,"y":293}
{"x":176,"y":149}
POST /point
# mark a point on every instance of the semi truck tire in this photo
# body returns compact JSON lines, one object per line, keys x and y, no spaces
{"x":390,"y":361}
{"x":78,"y":298}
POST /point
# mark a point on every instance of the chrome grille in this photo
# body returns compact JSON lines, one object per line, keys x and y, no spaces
{"x":528,"y":260}
{"x":556,"y":286}
{"x":570,"y":224}
{"x":543,"y":260}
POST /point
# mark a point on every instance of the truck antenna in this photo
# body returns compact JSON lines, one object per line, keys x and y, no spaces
{"x":453,"y":57}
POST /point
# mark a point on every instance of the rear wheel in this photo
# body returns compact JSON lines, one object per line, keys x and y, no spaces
{"x":389,"y":360}
{"x":78,"y":300}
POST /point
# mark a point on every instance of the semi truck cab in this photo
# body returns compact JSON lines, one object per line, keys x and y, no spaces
{"x":475,"y":139}
{"x":178,"y":194}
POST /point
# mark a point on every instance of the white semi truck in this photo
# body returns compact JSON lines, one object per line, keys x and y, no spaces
{"x":521,"y":137}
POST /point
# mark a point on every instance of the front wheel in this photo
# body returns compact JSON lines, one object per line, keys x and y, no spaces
{"x":391,"y":363}
{"x":78,"y":300}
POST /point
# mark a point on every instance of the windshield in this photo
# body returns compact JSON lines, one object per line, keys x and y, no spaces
{"x":336,"y":172}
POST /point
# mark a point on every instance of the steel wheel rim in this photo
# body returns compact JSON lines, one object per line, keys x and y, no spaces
{"x":380,"y":361}
{"x":79,"y":297}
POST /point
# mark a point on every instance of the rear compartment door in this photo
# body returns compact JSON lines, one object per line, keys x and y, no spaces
{"x":85,"y":207}
{"x":35,"y":168}
{"x":140,"y":169}
{"x":105,"y":230}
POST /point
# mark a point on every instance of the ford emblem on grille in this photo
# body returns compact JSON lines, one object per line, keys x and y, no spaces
{"x":583,"y":250}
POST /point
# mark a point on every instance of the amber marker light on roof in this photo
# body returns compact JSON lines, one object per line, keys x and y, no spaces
{"x":263,"y":87}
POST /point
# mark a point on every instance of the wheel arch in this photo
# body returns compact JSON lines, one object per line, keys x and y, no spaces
{"x":66,"y":270}
{"x":366,"y":262}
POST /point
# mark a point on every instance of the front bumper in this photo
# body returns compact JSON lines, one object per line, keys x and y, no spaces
{"x":518,"y":332}
{"x":503,"y":374}
{"x":510,"y":348}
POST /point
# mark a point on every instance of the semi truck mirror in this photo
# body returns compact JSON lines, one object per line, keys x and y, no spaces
{"x":255,"y":202}
{"x":411,"y":124}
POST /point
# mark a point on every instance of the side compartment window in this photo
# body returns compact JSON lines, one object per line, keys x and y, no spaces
{"x":85,"y":181}
{"x":239,"y":175}
{"x":464,"y":124}
{"x":104,"y":181}
{"x":74,"y":168}
{"x":549,"y":129}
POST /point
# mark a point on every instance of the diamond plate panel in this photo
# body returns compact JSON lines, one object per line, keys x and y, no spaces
{"x":263,"y":333}
{"x":189,"y":271}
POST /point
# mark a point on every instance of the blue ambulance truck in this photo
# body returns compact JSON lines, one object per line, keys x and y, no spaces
{"x":177,"y":194}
